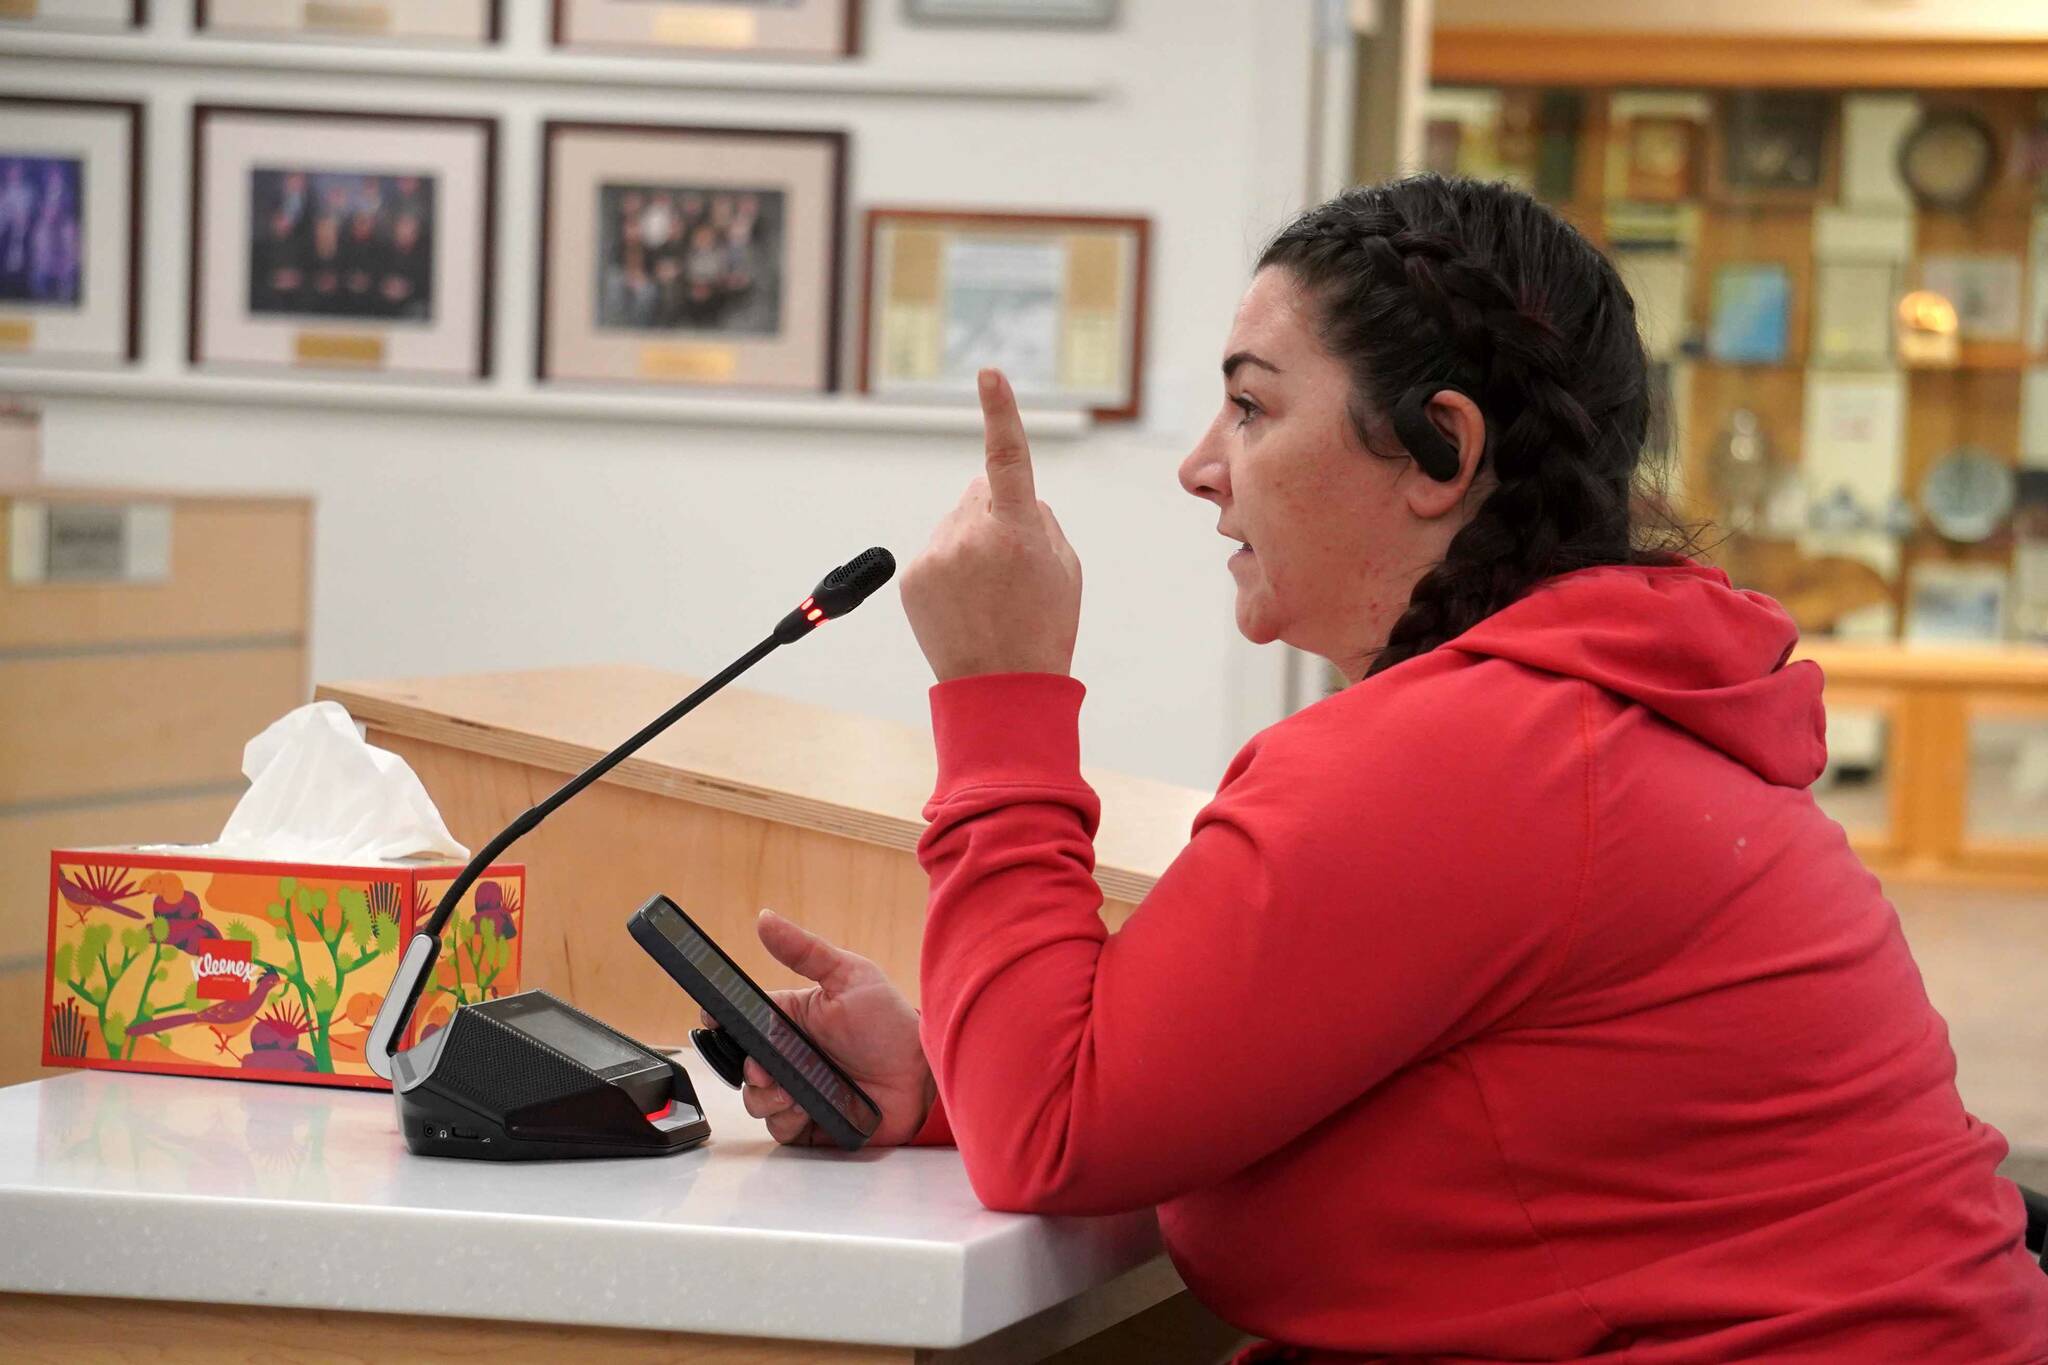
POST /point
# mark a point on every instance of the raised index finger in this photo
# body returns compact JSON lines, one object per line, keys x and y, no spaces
{"x":1010,"y":487}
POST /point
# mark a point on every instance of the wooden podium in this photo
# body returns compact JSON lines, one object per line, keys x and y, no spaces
{"x":750,"y":801}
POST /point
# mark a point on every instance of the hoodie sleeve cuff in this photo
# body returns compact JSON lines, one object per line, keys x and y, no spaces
{"x":937,"y":1130}
{"x":999,"y":729}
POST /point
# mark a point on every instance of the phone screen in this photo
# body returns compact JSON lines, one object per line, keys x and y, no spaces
{"x":737,"y":989}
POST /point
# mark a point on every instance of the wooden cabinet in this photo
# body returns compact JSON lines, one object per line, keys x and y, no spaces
{"x":1959,"y":775}
{"x":143,"y":638}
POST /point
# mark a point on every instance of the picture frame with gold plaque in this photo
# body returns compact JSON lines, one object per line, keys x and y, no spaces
{"x":72,"y":14}
{"x":1663,"y":157}
{"x":434,"y":21}
{"x":1057,"y":301}
{"x":691,"y":256}
{"x":331,"y":242}
{"x":789,"y":29}
{"x":70,"y":230}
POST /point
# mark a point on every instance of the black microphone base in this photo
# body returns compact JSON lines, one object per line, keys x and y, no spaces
{"x":531,"y":1078}
{"x":435,"y":1125}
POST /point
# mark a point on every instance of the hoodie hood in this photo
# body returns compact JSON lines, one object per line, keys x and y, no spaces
{"x":1679,"y":639}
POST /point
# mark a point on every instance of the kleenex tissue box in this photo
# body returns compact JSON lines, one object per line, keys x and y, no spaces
{"x":269,"y":971}
{"x":265,"y":954}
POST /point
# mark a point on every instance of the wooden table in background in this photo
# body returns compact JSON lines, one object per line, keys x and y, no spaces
{"x":1929,"y":696}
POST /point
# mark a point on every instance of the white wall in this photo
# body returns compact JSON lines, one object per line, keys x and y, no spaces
{"x":453,"y":544}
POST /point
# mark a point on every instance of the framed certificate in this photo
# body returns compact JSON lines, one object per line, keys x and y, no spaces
{"x":1853,"y":305}
{"x":460,"y":21}
{"x":759,"y":28}
{"x":70,"y":230}
{"x":331,"y":241}
{"x":101,"y":14}
{"x":1057,"y":301}
{"x":691,"y":256}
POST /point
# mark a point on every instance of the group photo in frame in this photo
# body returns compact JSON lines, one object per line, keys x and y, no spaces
{"x":72,"y":14}
{"x":450,"y":21}
{"x":70,"y":230}
{"x":691,"y":256}
{"x":788,"y":29}
{"x":1057,"y":301}
{"x":330,"y":240}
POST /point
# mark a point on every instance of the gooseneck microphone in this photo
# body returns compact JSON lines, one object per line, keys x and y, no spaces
{"x":838,"y":593}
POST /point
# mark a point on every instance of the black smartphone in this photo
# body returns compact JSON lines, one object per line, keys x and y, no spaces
{"x":752,"y":1025}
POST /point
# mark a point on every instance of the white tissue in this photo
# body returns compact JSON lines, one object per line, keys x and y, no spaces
{"x":319,"y":793}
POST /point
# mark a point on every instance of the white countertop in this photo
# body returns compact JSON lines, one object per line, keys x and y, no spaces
{"x":156,"y":1187}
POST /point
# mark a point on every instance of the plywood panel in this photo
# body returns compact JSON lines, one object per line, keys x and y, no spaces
{"x":27,"y":836}
{"x":603,"y":854}
{"x":237,"y":569}
{"x":97,"y":725}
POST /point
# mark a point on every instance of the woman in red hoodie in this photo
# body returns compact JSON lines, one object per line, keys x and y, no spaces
{"x":1516,"y":1002}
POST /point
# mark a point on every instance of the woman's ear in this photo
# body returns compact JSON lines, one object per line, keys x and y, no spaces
{"x":1458,"y":419}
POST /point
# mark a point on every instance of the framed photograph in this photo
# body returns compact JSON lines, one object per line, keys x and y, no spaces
{"x":1776,"y":147}
{"x":1037,"y":13}
{"x":1752,"y":303}
{"x":101,"y":14}
{"x":1956,"y":601}
{"x":702,"y":257}
{"x":1662,"y":159}
{"x":1056,"y":300}
{"x":70,"y":230}
{"x":458,"y":21}
{"x":757,"y":28}
{"x":1985,"y":289}
{"x":325,"y":240}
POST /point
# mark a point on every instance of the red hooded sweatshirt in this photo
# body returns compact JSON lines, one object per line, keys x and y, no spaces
{"x":1516,"y":1004}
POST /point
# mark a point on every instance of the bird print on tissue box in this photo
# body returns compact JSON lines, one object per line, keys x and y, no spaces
{"x":258,"y":971}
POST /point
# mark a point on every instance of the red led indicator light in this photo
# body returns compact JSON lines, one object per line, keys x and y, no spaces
{"x":813,"y":614}
{"x":658,"y":1115}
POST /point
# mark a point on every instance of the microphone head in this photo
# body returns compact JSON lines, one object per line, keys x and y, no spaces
{"x":853,"y":582}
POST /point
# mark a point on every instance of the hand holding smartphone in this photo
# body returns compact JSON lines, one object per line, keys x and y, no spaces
{"x":751,"y":1025}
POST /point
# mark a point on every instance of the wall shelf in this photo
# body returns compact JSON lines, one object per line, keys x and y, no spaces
{"x":556,"y":68}
{"x":829,"y":412}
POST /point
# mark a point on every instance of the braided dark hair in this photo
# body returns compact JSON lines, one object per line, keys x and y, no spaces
{"x":1430,"y":280}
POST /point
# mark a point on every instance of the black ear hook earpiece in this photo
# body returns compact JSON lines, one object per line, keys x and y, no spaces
{"x":1433,"y":451}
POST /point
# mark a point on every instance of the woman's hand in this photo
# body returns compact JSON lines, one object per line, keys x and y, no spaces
{"x":861,"y":1021}
{"x":998,"y":590}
